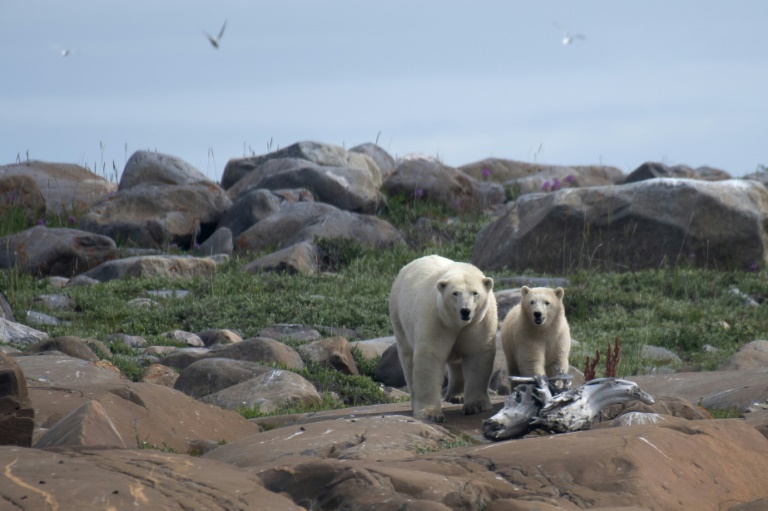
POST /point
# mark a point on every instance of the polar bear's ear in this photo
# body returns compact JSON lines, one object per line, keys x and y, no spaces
{"x":524,"y":290}
{"x":441,"y":285}
{"x":488,"y":283}
{"x":559,"y":292}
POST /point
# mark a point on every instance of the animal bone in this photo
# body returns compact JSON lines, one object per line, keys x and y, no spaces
{"x":549,"y":404}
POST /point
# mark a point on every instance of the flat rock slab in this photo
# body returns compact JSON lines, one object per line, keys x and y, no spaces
{"x":456,"y":422}
{"x":69,"y":480}
{"x":703,"y":465}
{"x":46,"y":370}
{"x":722,"y":390}
{"x":130,"y":415}
{"x":379,"y":437}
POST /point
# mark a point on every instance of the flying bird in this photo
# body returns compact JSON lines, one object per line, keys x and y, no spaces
{"x":215,"y":40}
{"x":569,"y":38}
{"x":63,"y":52}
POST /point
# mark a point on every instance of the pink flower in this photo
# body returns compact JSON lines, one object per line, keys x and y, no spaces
{"x":195,"y":245}
{"x":571,"y":178}
{"x":545,"y":187}
{"x":419,"y":193}
{"x":40,"y":221}
{"x":556,"y":184}
{"x":486,"y":173}
{"x":72,"y":219}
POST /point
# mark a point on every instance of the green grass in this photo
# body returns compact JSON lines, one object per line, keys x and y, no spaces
{"x":681,"y":309}
{"x":729,"y":413}
{"x":461,"y":440}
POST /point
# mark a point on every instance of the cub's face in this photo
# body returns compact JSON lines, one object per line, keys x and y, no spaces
{"x":540,"y":304}
{"x":464,"y":299}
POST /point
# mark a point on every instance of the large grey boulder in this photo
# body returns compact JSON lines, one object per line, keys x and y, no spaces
{"x":650,"y":170}
{"x":306,"y":221}
{"x":332,"y":352}
{"x":67,"y":188}
{"x":147,"y":167}
{"x":383,"y":159}
{"x":302,"y":258}
{"x":510,"y":172}
{"x":181,"y":267}
{"x":347,"y":188}
{"x":256,"y":204}
{"x":647,"y":224}
{"x":556,"y":178}
{"x":261,"y":349}
{"x":21,"y":193}
{"x":753,"y":355}
{"x":210,"y":375}
{"x":268,"y":392}
{"x":55,"y":252}
{"x":16,"y":333}
{"x":158,"y":216}
{"x":425,"y":179}
{"x":68,"y":345}
{"x":325,"y":155}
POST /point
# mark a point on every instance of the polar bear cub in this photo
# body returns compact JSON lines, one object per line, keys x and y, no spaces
{"x":535,"y":334}
{"x":444,"y":312}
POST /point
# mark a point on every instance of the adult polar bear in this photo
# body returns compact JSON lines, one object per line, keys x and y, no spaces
{"x":444,"y":312}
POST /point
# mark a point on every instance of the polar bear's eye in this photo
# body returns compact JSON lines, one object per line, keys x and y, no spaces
{"x":455,"y":293}
{"x":546,"y":303}
{"x":474,"y":293}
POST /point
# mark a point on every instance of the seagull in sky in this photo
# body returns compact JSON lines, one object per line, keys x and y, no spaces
{"x":569,"y":38}
{"x":63,"y":52}
{"x":215,"y":40}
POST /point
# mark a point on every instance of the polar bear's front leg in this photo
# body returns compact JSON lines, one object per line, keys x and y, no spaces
{"x":455,"y":391}
{"x":478,"y":368}
{"x":427,"y":384}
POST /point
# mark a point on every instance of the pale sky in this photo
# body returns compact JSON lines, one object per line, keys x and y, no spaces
{"x":680,"y":82}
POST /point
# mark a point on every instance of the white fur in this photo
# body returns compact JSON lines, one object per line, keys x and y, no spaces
{"x":537,"y":349}
{"x":425,"y":307}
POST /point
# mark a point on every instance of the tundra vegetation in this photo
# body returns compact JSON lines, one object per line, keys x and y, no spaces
{"x":691,"y":311}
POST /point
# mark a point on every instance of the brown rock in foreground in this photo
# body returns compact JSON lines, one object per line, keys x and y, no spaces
{"x":16,"y":415}
{"x":709,"y":465}
{"x":131,"y":415}
{"x":97,"y":479}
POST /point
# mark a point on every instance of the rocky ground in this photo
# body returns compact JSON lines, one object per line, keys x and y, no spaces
{"x":76,"y":434}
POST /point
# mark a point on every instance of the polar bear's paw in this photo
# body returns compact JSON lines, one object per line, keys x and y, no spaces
{"x":430,"y":414}
{"x":455,"y":398}
{"x":477,"y":407}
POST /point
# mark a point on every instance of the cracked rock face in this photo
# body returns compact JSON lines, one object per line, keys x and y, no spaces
{"x":34,"y":479}
{"x":374,"y":457}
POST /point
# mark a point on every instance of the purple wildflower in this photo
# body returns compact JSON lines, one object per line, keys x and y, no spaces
{"x":195,"y":245}
{"x":754,"y":267}
{"x":571,"y":178}
{"x":419,"y":193}
{"x":545,"y":187}
{"x":72,"y":219}
{"x":556,"y":184}
{"x":486,"y":173}
{"x":40,"y":221}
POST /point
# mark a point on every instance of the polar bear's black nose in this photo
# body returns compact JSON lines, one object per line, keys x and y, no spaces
{"x":537,"y":317}
{"x":465,"y":314}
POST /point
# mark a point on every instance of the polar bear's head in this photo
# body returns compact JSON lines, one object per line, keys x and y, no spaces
{"x":541,"y":303}
{"x":464,"y":297}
